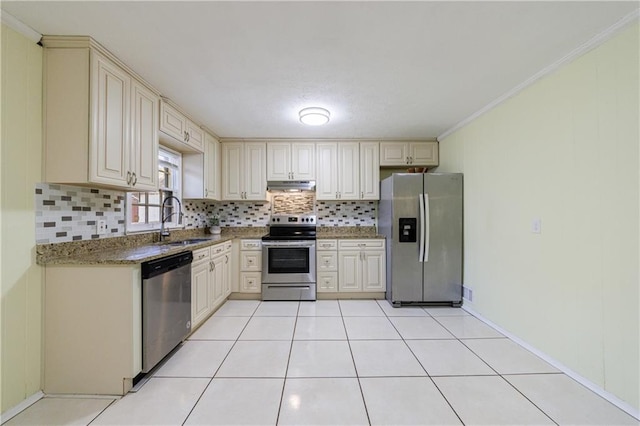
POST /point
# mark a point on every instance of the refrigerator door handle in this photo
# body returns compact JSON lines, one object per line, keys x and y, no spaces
{"x":422,"y":225}
{"x":426,"y":232}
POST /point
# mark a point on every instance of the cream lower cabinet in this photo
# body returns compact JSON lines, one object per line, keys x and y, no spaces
{"x":250,"y":266}
{"x":361,"y":265}
{"x":101,"y":121}
{"x":92,"y":328}
{"x":210,"y":280}
{"x":326,"y":266}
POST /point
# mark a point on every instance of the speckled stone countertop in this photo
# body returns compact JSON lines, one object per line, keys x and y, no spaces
{"x":133,"y":249}
{"x":348,"y":232}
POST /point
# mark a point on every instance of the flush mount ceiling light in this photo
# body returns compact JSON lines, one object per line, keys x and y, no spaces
{"x":314,"y":116}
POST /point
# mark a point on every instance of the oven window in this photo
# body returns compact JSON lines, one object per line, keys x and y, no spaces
{"x":288,"y":260}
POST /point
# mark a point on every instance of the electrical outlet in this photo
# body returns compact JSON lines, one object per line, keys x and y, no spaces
{"x":101,"y":227}
{"x":536,"y":226}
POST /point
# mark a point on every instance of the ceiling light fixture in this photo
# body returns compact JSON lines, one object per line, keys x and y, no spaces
{"x":314,"y":116}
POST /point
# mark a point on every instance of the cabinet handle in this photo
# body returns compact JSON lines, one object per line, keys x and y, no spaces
{"x":361,"y":195}
{"x":411,"y":159}
{"x":184,"y":136}
{"x":226,"y":259}
{"x":128,"y":178}
{"x":135,"y":179}
{"x":188,"y":137}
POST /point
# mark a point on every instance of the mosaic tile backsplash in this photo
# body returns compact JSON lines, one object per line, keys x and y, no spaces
{"x":69,"y":213}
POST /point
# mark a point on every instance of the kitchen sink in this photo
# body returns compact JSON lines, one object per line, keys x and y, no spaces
{"x":186,"y":242}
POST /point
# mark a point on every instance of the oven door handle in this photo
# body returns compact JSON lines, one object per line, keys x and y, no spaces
{"x":288,"y":243}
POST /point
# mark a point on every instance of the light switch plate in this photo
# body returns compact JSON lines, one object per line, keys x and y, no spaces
{"x":536,"y":226}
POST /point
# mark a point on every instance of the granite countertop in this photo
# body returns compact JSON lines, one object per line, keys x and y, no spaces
{"x":349,"y":233}
{"x":133,"y":249}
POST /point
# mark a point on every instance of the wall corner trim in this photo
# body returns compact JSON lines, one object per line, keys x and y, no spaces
{"x":26,"y":403}
{"x":17,"y":25}
{"x":590,"y":44}
{"x":624,"y":406}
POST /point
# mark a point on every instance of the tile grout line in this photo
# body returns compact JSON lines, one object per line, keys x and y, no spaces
{"x":220,"y":366}
{"x":355,"y":367}
{"x":286,"y":370}
{"x":421,"y":365}
{"x":102,"y":411}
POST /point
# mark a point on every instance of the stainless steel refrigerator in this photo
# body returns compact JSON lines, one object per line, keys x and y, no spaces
{"x":420,"y":214}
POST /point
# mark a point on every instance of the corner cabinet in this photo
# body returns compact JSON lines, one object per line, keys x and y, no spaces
{"x":244,"y":174}
{"x":101,"y":121}
{"x":290,"y":161}
{"x":347,"y":171}
{"x":423,"y":153}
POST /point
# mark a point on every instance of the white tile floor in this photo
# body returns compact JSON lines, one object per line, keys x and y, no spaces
{"x":342,"y":363}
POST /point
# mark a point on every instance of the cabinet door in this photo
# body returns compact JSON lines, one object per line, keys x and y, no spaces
{"x":172,"y":122}
{"x":232,"y":171}
{"x":227,"y":274}
{"x":195,"y":136}
{"x":251,"y":261}
{"x":373,"y":271}
{"x":394,"y":154}
{"x":144,"y":145}
{"x":211,"y":168}
{"x":200,"y":296}
{"x":348,"y":171}
{"x":111,"y":137}
{"x":217,"y":275}
{"x":327,"y":261}
{"x":278,"y":161}
{"x":424,"y":153}
{"x":327,"y":171}
{"x":255,"y":171}
{"x":303,"y":162}
{"x":349,"y":271}
{"x":369,"y":171}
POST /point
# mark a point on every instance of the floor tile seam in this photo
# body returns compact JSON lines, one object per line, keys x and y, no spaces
{"x":409,"y":348}
{"x":215,"y":372}
{"x":447,"y":400}
{"x":103,"y":410}
{"x":479,"y":357}
{"x":355,"y":367}
{"x":286,"y":370}
{"x":528,"y":399}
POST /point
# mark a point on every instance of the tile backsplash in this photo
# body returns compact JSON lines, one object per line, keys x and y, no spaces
{"x":70,"y":213}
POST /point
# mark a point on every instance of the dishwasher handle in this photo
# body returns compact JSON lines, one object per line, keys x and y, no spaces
{"x":156,"y":267}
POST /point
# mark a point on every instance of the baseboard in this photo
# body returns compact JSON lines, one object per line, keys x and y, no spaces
{"x":624,"y":406}
{"x":26,"y":403}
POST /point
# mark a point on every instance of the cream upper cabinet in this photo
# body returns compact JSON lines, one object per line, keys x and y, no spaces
{"x":409,"y":153}
{"x":100,"y":119}
{"x":201,"y":171}
{"x":347,"y":171}
{"x":186,"y":134}
{"x":244,"y":171}
{"x":290,"y":161}
{"x":369,"y":171}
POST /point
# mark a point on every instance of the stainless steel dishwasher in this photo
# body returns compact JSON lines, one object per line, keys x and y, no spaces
{"x":166,"y":306}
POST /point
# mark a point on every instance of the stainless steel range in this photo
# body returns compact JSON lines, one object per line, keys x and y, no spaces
{"x":289,"y":258}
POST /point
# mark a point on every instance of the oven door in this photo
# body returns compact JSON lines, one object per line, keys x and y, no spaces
{"x":288,"y":262}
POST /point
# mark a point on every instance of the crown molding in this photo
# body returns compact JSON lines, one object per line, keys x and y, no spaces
{"x":570,"y":57}
{"x":18,"y":26}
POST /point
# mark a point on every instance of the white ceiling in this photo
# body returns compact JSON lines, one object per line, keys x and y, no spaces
{"x":383,"y":69}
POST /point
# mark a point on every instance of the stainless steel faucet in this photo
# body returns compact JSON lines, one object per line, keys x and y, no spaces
{"x":165,"y":232}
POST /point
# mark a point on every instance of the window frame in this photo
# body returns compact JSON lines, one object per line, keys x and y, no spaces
{"x":172,"y":159}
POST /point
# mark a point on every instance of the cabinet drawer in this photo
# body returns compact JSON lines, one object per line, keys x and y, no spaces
{"x":217,"y":249}
{"x":327,"y":245}
{"x":250,"y":282}
{"x":201,"y":254}
{"x":251,"y":261}
{"x":327,"y":261}
{"x":251,"y":245}
{"x":361,"y":244}
{"x":228,"y":245}
{"x":327,"y":282}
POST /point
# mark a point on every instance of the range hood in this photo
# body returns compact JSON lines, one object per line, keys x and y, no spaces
{"x":291,"y":185}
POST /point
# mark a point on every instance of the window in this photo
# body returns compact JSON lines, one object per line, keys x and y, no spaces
{"x":143,"y":208}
